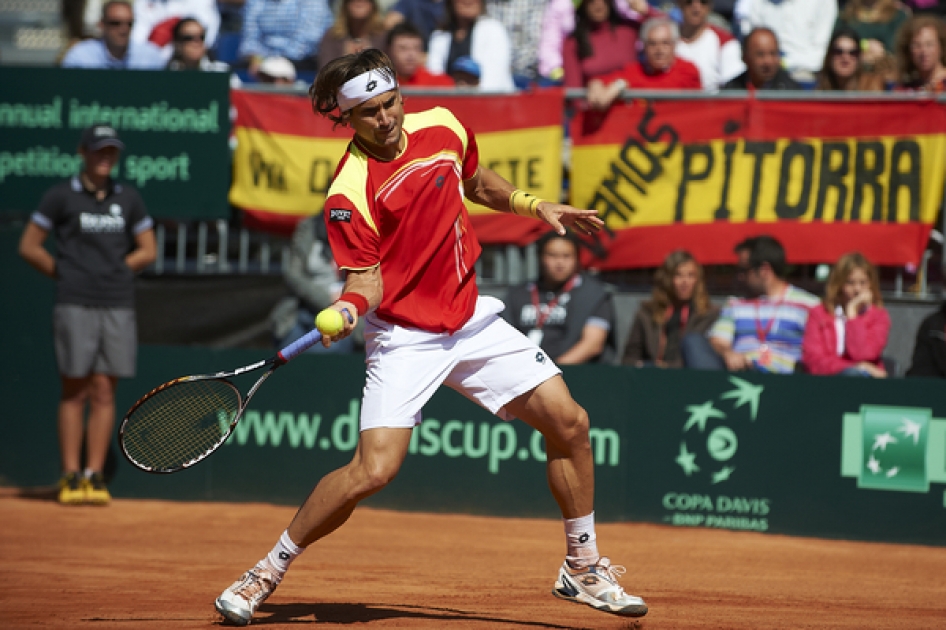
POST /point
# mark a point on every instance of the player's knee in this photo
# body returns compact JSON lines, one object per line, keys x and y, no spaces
{"x":578,"y":427}
{"x":375,"y":475}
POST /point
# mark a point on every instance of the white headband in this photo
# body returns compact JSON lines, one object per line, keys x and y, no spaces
{"x":363,"y":87}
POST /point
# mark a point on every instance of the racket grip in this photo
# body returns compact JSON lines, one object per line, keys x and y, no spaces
{"x":305,"y":342}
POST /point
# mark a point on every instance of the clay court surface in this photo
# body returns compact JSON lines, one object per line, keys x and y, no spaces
{"x":152,"y":564}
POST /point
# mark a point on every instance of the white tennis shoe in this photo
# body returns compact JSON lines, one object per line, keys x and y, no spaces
{"x":597,"y":586}
{"x":238,"y":603}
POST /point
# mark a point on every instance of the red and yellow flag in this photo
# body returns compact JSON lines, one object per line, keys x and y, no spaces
{"x":823,"y":177}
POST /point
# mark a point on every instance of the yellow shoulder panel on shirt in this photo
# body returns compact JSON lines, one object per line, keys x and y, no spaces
{"x":352,"y":181}
{"x":436,"y":117}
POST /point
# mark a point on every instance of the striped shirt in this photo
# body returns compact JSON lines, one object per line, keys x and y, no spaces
{"x":782,"y":320}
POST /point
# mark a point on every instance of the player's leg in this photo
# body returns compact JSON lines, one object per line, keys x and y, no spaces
{"x":585,"y":576}
{"x":99,"y":435}
{"x":378,"y":457}
{"x":71,"y":425}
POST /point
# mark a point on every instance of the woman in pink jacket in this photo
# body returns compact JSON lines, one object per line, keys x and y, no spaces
{"x":847,"y":332}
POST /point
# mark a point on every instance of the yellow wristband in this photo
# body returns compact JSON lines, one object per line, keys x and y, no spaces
{"x":524,"y":204}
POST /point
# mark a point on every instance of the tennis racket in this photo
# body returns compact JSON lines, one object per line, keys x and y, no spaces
{"x":183,"y":421}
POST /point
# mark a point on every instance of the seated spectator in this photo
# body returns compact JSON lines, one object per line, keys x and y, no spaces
{"x":843,"y":67}
{"x":711,"y":49}
{"x":276,"y":71}
{"x":567,"y":313}
{"x":763,"y":64}
{"x":679,"y":306}
{"x":803,"y":27}
{"x":155,"y":21}
{"x":763,"y":332}
{"x":425,"y":15}
{"x":921,"y":55}
{"x":469,"y":32}
{"x":283,"y":28}
{"x":465,"y":72}
{"x":314,"y":281}
{"x":115,"y":50}
{"x":358,"y":25}
{"x":847,"y":332}
{"x":190,"y":50}
{"x":523,"y":22}
{"x":658,"y":69}
{"x":929,"y":352}
{"x":405,"y":47}
{"x":876,"y":23}
{"x":603,"y":41}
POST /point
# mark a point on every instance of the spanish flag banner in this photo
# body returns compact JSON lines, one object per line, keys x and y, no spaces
{"x":285,"y":155}
{"x":823,"y":177}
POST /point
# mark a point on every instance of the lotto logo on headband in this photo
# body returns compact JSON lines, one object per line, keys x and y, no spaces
{"x":372,"y":84}
{"x":339,"y":214}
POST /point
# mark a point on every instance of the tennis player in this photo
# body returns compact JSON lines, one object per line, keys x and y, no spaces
{"x":398,"y":225}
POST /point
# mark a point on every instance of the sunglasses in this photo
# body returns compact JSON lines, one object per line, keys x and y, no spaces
{"x":116,"y":23}
{"x":191,"y":38}
{"x":850,"y":52}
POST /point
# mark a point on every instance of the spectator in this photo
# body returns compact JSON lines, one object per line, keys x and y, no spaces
{"x":803,"y":27}
{"x":190,"y":50}
{"x":314,"y":281}
{"x":876,"y":22}
{"x":465,"y":72}
{"x":765,"y":331}
{"x":929,"y":352}
{"x":921,"y":55}
{"x":469,"y":32}
{"x":115,"y":50}
{"x":405,"y":46}
{"x":103,"y":237}
{"x":155,"y":21}
{"x":844,"y":69}
{"x":602,"y":42}
{"x":358,"y":25}
{"x":847,"y":332}
{"x":679,"y":306}
{"x":566,"y":312}
{"x":283,"y":28}
{"x":523,"y":22}
{"x":711,"y":49}
{"x":276,"y":71}
{"x":426,"y":15}
{"x":658,"y":69}
{"x":763,"y":65}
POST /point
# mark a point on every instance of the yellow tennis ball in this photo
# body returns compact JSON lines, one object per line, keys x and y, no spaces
{"x":330,"y":322}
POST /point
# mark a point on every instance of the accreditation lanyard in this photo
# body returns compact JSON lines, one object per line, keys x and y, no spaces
{"x":765,"y":353}
{"x":536,"y":333}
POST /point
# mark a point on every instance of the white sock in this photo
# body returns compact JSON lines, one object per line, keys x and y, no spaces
{"x":581,"y":540}
{"x":282,"y":555}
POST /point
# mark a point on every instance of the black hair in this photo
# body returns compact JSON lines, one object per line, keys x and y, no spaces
{"x":403,"y":29}
{"x":548,"y":237}
{"x":766,"y":249}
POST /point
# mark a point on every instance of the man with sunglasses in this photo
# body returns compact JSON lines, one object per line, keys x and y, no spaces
{"x":115,"y":50}
{"x":714,"y":51}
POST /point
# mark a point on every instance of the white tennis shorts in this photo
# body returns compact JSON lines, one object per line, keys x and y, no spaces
{"x":487,"y":360}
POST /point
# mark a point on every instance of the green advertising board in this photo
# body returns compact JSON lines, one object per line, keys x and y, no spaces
{"x":175,"y":126}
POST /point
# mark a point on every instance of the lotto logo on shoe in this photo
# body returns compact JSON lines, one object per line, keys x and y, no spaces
{"x":339,"y":214}
{"x":283,"y":555}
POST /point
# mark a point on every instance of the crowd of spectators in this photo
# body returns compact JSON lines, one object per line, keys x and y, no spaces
{"x":607,"y":46}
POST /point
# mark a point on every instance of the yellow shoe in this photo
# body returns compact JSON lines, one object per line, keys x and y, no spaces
{"x":96,"y":492}
{"x":72,"y":489}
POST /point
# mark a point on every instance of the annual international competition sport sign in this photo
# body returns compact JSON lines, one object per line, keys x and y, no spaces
{"x":175,"y":126}
{"x":286,"y":155}
{"x":825,"y":177}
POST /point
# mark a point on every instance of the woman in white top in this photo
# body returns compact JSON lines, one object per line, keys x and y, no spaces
{"x":469,"y":32}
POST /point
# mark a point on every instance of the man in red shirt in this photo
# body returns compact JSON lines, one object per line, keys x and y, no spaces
{"x":659,"y":68}
{"x":398,"y":225}
{"x":406,"y":50}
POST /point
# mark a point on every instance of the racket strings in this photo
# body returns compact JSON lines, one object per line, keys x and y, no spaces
{"x":180,"y":423}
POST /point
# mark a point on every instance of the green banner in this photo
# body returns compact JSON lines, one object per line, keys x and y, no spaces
{"x":175,"y":126}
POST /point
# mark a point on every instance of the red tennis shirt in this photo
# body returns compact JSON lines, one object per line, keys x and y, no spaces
{"x":407,"y":215}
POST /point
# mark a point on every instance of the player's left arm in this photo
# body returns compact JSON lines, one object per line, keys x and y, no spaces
{"x":488,"y":188}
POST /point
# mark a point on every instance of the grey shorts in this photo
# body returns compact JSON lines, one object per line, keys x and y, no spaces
{"x":95,"y":340}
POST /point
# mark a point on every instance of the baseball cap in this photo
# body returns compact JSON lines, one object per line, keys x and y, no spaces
{"x":467,"y":65}
{"x":100,"y":136}
{"x":278,"y":68}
